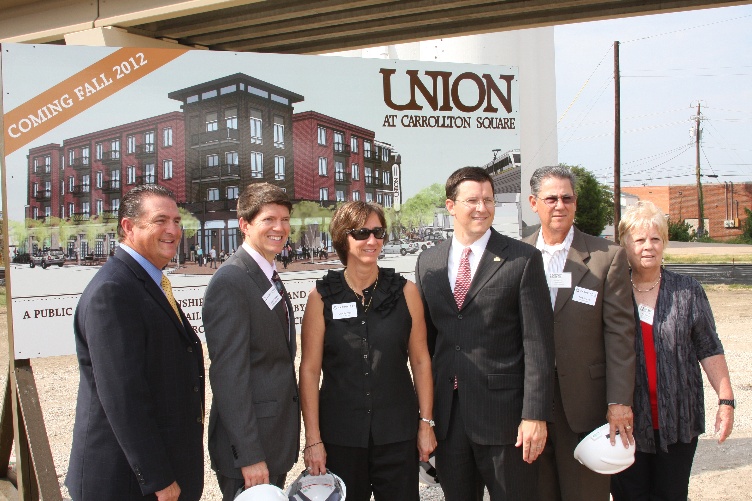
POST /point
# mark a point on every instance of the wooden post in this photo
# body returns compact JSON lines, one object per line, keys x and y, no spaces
{"x":700,"y":201}
{"x":617,"y":143}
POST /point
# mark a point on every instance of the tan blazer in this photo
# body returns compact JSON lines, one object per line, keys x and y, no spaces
{"x":594,"y":345}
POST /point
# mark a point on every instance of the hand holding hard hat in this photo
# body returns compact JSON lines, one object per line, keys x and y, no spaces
{"x":596,"y":452}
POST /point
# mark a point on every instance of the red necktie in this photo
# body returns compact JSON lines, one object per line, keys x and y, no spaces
{"x":462,"y":285}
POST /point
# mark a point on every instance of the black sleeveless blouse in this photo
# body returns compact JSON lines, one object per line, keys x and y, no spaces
{"x":367,"y":391}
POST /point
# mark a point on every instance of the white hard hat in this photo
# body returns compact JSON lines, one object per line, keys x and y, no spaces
{"x":427,"y":472}
{"x":327,"y":487}
{"x":596,"y":452}
{"x":261,"y":492}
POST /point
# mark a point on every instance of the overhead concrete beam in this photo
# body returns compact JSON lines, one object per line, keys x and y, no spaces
{"x":110,"y":36}
{"x":46,"y":20}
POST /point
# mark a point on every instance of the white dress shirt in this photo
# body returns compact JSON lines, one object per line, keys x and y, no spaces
{"x":554,"y":257}
{"x":455,"y":255}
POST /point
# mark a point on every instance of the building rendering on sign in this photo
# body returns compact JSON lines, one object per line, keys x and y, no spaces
{"x":230,"y":132}
{"x":84,"y":178}
{"x":340,"y":161}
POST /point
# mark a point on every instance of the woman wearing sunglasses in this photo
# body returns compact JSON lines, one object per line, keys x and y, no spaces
{"x":361,"y":326}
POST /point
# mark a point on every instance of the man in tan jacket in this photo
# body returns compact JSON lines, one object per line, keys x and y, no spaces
{"x":594,"y":331}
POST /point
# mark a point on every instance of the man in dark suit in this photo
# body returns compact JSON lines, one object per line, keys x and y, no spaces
{"x":593,"y":335}
{"x":254,"y":423}
{"x":490,"y":334}
{"x":140,"y":410}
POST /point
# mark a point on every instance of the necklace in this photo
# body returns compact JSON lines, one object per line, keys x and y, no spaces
{"x":649,"y":289}
{"x":362,"y":298}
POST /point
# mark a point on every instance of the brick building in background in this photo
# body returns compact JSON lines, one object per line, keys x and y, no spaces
{"x":724,"y":205}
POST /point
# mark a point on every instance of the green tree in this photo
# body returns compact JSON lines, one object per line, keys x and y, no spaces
{"x":419,"y":208}
{"x":679,"y":231}
{"x":595,"y":203}
{"x":308,"y":220}
{"x":189,"y":223}
{"x":747,"y":227}
{"x":18,"y":234}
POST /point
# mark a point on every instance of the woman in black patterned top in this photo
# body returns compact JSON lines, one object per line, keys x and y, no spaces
{"x":675,"y":331}
{"x":370,"y":422}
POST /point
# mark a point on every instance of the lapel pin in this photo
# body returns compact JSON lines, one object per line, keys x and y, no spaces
{"x":497,"y":258}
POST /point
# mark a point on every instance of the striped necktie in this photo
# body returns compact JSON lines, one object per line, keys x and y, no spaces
{"x":167,"y":288}
{"x":277,"y":281}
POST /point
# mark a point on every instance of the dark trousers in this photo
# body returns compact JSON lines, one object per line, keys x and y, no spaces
{"x":229,"y":486}
{"x":663,"y":476}
{"x":562,"y":477}
{"x":465,"y":467}
{"x":390,"y":471}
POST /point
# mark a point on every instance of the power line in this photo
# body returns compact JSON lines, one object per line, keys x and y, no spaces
{"x":687,"y":29}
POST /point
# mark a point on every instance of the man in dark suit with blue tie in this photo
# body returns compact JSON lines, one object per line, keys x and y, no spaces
{"x":254,"y":423}
{"x":140,"y":410}
{"x":490,"y":330}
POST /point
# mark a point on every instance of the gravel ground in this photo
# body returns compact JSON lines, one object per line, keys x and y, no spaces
{"x":720,"y":472}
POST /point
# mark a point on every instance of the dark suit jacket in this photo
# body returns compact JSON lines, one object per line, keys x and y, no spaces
{"x":255,"y":414}
{"x":139,"y":414}
{"x":595,"y":357}
{"x":499,"y":344}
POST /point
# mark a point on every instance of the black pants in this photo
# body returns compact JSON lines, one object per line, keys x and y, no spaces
{"x":229,"y":486}
{"x":663,"y":476}
{"x":390,"y":471}
{"x":465,"y":467}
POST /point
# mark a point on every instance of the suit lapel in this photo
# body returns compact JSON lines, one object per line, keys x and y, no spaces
{"x":440,"y":266}
{"x":263,"y":283}
{"x":490,"y":262}
{"x":576,"y":264}
{"x":181,"y":324}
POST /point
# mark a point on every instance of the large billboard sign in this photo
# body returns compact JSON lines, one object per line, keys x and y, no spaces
{"x":83,"y":125}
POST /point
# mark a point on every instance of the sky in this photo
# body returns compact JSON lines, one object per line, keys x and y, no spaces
{"x":668,"y":63}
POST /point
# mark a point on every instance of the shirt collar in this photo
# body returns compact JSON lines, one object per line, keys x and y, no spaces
{"x":154,"y":272}
{"x":267,"y":267}
{"x":541,"y":245}
{"x":476,"y":247}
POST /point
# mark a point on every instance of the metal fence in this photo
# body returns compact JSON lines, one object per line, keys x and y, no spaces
{"x":740,"y":274}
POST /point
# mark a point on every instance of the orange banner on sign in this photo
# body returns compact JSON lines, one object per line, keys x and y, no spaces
{"x":80,"y":92}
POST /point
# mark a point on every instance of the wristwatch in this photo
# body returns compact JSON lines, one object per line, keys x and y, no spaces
{"x":725,"y":401}
{"x":429,"y":421}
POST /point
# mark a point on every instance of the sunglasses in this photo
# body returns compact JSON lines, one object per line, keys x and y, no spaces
{"x":551,"y":201}
{"x":364,"y":233}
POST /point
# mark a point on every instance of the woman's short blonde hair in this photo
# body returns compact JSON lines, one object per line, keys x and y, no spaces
{"x":640,"y":215}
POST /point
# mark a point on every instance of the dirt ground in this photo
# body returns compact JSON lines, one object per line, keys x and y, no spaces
{"x":721,"y":472}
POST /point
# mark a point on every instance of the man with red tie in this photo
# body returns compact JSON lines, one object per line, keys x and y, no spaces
{"x":490,"y":328}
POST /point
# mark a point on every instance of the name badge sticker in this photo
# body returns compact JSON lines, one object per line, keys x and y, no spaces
{"x":344,"y":310}
{"x":559,"y":280}
{"x":646,"y":314}
{"x":272,"y":297}
{"x":586,"y":296}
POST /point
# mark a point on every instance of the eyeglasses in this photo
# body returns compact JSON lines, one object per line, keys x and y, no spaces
{"x":364,"y":233}
{"x":473,"y":203}
{"x":552,"y":200}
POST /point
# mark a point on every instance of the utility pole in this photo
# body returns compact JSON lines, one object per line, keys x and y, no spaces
{"x":617,"y":144}
{"x":700,"y":203}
